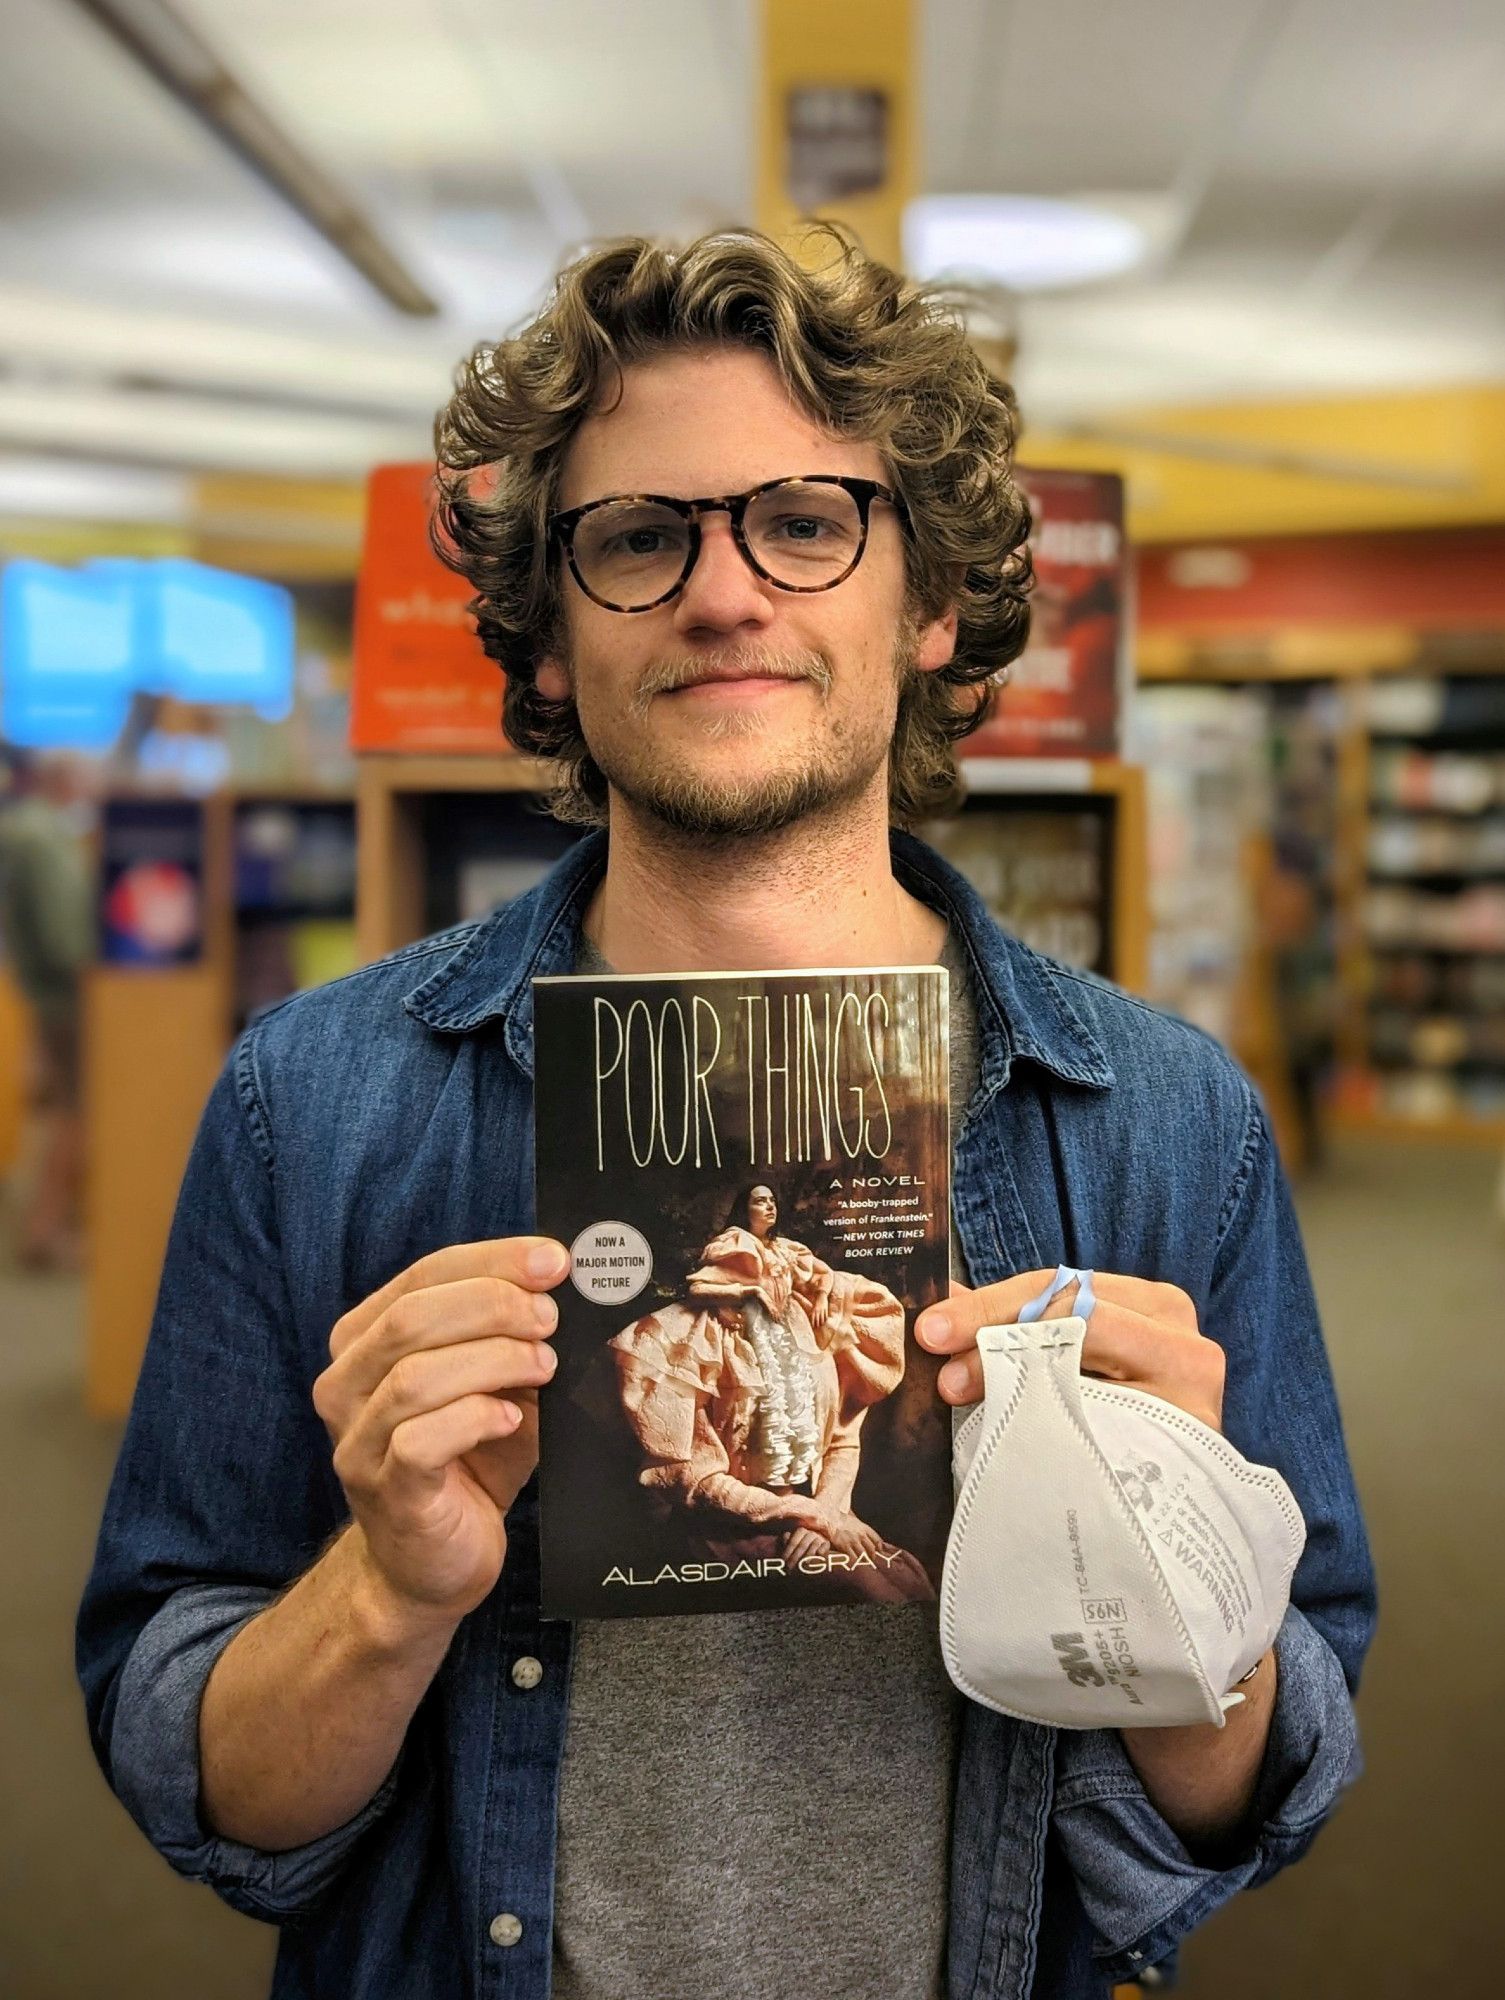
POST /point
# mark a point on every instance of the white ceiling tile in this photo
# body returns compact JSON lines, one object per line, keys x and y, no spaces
{"x":1339,"y":167}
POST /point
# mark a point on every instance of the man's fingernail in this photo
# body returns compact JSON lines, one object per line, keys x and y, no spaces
{"x":953,"y":1377}
{"x":545,"y":1260}
{"x":933,"y":1329}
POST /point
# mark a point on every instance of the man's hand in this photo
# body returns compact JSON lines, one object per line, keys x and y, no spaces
{"x":431,"y":1401}
{"x":1200,"y":1778}
{"x":1142,"y":1334}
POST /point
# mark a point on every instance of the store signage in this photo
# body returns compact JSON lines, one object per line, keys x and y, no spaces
{"x":1065,"y":697}
{"x":67,"y":656}
{"x":1426,"y":579}
{"x":421,"y":680}
{"x":151,"y":882}
{"x":217,"y":638}
{"x":836,"y":144}
{"x":77,"y":645}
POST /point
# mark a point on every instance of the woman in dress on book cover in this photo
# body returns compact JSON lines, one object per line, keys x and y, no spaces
{"x":748,"y":1397}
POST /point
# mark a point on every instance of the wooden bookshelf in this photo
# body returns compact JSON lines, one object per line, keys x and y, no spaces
{"x":154,"y":1040}
{"x":391,"y":791}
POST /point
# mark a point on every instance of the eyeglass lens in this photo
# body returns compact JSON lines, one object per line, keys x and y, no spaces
{"x":805,"y":536}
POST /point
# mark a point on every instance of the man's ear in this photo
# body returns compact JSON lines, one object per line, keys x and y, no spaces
{"x":551,"y":680}
{"x":937,"y":641}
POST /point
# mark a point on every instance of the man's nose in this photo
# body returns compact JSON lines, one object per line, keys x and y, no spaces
{"x":723,"y":591}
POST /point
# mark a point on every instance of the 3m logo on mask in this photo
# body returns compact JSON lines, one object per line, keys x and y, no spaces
{"x":1139,"y":1481}
{"x":1076,"y":1661}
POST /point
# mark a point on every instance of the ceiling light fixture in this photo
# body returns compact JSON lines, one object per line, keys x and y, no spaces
{"x":1023,"y":242}
{"x":180,"y":58}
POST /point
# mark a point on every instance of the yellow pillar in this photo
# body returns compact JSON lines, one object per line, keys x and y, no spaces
{"x":837,"y":116}
{"x":14,"y":1051}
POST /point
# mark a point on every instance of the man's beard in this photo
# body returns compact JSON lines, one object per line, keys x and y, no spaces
{"x":726,"y":808}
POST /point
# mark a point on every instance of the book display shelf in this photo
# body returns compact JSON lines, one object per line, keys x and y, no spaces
{"x":1431,"y":917}
{"x":1054,"y":846}
{"x":211,"y":909}
{"x":1387,"y":800}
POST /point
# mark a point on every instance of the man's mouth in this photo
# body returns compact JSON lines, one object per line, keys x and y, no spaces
{"x":737,"y":677}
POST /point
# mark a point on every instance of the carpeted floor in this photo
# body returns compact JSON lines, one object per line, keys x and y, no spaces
{"x":1409,"y":1259}
{"x":1408,"y":1253}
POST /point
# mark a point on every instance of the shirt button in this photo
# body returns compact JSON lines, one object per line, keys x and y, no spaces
{"x":527,"y":1672}
{"x":506,"y":1929}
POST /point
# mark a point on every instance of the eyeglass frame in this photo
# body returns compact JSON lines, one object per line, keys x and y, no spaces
{"x":561,"y":527}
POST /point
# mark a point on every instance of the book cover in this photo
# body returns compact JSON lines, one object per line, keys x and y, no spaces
{"x":1068,"y":691}
{"x":752,"y":1173}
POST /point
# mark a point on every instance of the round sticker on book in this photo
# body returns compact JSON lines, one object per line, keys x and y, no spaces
{"x":610,"y":1263}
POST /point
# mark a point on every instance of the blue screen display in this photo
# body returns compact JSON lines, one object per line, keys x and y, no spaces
{"x":76,"y":645}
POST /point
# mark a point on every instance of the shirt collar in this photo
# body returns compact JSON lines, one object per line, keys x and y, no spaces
{"x":1023,"y":1008}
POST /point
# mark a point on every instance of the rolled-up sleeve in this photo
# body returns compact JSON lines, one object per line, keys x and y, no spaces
{"x":1142,"y":1890}
{"x":154,"y":1761}
{"x":222,"y":1496}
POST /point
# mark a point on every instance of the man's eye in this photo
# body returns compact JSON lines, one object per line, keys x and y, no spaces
{"x":636,"y":542}
{"x":802,"y":527}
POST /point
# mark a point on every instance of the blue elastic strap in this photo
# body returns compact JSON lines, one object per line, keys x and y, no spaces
{"x":1086,"y":1299}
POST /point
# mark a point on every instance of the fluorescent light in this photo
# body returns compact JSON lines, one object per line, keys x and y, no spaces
{"x":171,"y":49}
{"x":76,"y":490}
{"x":1021,"y":241}
{"x":200,"y":432}
{"x":98,"y":339}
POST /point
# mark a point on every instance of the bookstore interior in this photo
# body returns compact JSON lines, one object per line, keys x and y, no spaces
{"x":1250,"y":766}
{"x":1259,"y":782}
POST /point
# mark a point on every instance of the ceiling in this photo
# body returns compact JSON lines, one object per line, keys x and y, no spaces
{"x":1325,"y":181}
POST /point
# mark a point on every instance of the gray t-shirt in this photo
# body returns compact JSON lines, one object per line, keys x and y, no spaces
{"x":760,"y":1804}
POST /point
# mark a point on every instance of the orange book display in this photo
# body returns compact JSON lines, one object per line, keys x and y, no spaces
{"x":421,"y":681}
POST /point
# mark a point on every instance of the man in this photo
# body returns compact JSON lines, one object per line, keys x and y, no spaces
{"x":47,"y":934}
{"x":319,"y":1678}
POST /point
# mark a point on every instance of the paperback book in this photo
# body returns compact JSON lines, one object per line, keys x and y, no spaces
{"x":752,"y":1173}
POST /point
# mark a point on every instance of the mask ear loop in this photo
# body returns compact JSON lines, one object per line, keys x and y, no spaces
{"x":1086,"y":1298}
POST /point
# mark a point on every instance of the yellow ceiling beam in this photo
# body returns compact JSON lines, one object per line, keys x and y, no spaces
{"x":1420,"y":458}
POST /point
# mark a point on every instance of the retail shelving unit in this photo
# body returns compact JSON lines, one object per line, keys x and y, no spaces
{"x":1056,"y":846}
{"x":155,"y":1037}
{"x":414,"y":814}
{"x":1416,"y":876}
{"x":1432,"y":910}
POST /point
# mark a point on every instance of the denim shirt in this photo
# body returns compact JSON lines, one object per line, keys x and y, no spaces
{"x":356,"y":1128}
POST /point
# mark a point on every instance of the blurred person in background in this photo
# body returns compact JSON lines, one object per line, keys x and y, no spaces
{"x":747,"y":541}
{"x":47,"y":933}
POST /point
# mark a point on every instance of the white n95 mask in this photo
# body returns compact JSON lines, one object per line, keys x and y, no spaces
{"x":1113,"y":1563}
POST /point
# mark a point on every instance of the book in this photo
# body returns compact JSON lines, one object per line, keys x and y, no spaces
{"x":752,"y":1174}
{"x":1069,"y":688}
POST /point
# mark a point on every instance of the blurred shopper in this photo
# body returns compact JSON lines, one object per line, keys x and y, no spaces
{"x":318,"y":1677}
{"x":47,"y":930}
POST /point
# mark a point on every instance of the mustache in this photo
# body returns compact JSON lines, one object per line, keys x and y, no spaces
{"x":678,"y":670}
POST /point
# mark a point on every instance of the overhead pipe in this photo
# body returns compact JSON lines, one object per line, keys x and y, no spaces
{"x":176,"y":54}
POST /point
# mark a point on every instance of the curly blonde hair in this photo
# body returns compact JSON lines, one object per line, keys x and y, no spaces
{"x":868,"y":353}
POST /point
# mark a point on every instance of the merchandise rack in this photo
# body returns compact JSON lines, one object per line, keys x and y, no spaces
{"x":1432,"y":915}
{"x":154,"y":1040}
{"x":1384,"y":761}
{"x":397,"y":898}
